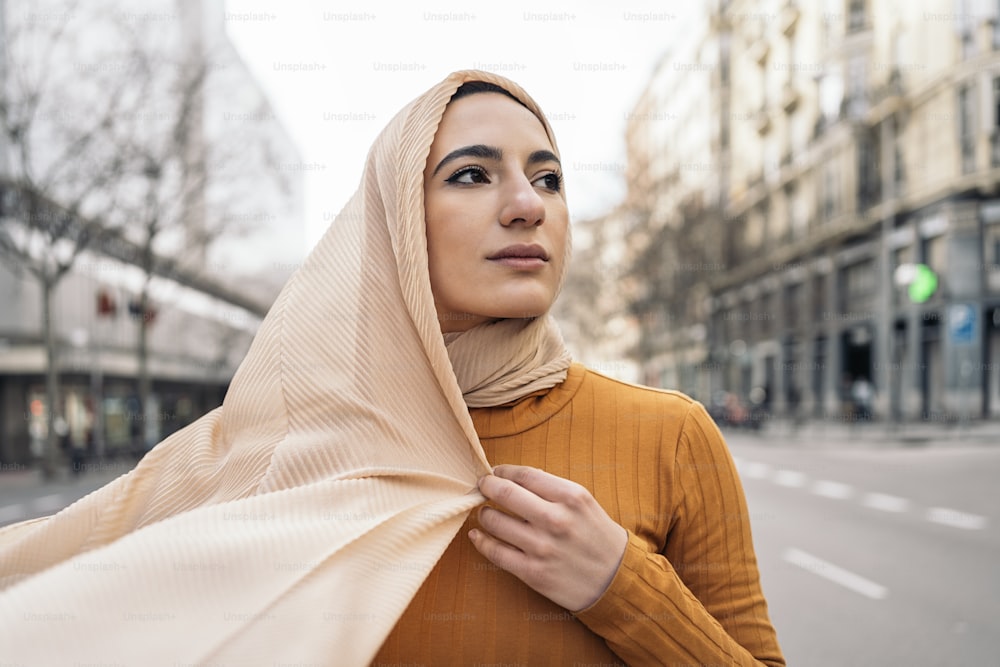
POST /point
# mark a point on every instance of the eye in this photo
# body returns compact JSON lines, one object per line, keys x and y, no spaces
{"x":468,"y":176}
{"x":551,"y":181}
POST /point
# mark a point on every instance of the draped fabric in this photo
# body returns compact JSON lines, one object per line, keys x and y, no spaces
{"x":295,"y":522}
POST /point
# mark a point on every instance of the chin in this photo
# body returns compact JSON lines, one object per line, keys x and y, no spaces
{"x":522,"y":309}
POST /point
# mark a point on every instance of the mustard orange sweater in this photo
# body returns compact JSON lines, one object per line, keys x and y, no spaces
{"x":687,"y":591}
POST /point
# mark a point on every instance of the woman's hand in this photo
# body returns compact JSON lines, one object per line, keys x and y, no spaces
{"x":560,"y":541}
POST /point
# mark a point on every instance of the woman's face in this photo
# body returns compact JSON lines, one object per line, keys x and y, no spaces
{"x":496,"y":213}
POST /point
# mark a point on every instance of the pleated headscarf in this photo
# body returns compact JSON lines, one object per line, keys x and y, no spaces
{"x":295,"y":522}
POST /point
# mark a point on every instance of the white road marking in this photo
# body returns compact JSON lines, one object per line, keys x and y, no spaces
{"x":885,"y":502}
{"x":49,"y":503}
{"x":12,"y":512}
{"x":955,"y":518}
{"x":840,"y":491}
{"x":830,"y":489}
{"x":837,"y":575}
{"x":757,"y":470}
{"x":792,"y":478}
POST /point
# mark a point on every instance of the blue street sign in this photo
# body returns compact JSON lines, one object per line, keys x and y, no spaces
{"x":962,"y":323}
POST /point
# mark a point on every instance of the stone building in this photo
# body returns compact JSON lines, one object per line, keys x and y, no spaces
{"x":862,"y":137}
{"x":678,"y":174}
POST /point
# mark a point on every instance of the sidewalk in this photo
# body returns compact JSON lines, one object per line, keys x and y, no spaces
{"x":820,"y":433}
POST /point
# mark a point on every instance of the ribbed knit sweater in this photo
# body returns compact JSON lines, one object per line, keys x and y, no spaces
{"x":687,"y":591}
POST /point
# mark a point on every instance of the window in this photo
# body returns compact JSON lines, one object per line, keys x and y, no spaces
{"x":995,"y":134}
{"x":965,"y":25}
{"x":858,"y":285}
{"x":793,"y":305}
{"x":856,"y":16}
{"x":868,"y":172}
{"x":898,"y":171}
{"x":819,"y":297}
{"x":996,"y":24}
{"x":829,"y":189}
{"x":790,"y":210}
{"x":965,"y":125}
{"x":857,"y":84}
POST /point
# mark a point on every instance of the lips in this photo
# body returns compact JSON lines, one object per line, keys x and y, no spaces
{"x":522,"y":251}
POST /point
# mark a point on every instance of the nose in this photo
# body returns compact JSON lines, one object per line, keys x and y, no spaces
{"x":521,"y":204}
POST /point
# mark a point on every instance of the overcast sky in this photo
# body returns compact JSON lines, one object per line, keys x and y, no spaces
{"x":337,"y":72}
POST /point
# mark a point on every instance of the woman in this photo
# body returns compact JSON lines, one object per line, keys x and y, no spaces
{"x":318,"y":515}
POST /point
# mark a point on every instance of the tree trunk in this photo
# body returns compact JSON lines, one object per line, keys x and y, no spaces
{"x":51,"y":455}
{"x":145,"y":382}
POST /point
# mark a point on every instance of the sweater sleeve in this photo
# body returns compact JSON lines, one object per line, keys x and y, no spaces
{"x":699,"y":600}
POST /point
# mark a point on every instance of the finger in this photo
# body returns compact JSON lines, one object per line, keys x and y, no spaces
{"x":543,"y":484}
{"x":502,"y":555}
{"x":514,"y":498}
{"x":509,"y":529}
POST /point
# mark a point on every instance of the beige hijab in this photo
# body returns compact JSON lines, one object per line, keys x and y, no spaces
{"x":296,"y":522}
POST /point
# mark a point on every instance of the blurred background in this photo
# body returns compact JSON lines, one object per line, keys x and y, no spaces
{"x":789,"y":210}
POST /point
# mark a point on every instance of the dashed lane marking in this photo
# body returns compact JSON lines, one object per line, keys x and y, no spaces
{"x":836,"y":574}
{"x":955,"y":518}
{"x":790,"y":478}
{"x":757,"y":470}
{"x":830,"y":489}
{"x":885,"y":502}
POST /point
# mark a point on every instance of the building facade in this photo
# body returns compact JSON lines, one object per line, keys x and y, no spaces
{"x":862,"y":139}
{"x":677,"y":142}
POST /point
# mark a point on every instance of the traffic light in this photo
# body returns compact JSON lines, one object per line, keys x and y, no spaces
{"x":924,"y":284}
{"x":919,"y":280}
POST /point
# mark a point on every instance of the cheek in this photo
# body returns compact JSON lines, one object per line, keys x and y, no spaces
{"x":561,"y":236}
{"x":443,"y":233}
{"x":456,"y":225}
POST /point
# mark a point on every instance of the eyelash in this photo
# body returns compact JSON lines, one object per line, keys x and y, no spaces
{"x":454,"y":178}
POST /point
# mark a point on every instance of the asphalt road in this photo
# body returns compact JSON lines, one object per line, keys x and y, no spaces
{"x":877,"y":555}
{"x":23,"y":495}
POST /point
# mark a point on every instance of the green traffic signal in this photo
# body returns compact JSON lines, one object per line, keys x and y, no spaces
{"x":924,"y":284}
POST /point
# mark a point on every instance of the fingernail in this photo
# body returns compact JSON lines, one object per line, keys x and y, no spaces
{"x":473,"y":534}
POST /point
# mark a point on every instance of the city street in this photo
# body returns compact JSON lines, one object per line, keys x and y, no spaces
{"x":871,"y":553}
{"x":876,"y":554}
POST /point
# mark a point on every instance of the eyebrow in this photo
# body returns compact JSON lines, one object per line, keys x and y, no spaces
{"x":485,"y":152}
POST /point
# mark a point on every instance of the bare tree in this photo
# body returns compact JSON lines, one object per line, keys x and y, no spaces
{"x":58,"y":165}
{"x":190,"y":182}
{"x":104,"y":137}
